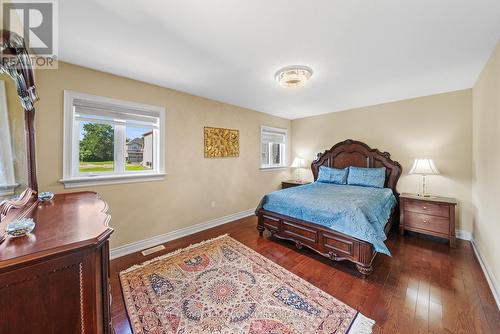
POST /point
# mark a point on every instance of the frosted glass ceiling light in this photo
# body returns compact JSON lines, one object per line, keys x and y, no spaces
{"x":293,"y":76}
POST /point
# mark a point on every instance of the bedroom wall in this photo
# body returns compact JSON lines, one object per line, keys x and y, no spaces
{"x":143,"y":210}
{"x":437,"y":126}
{"x":486,"y":164}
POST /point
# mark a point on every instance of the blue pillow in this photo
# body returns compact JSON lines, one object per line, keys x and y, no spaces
{"x":366,"y":177}
{"x":332,"y":175}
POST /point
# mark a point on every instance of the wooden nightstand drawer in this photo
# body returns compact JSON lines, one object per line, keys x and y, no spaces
{"x":429,"y":215}
{"x":428,"y":208}
{"x":427,"y":222}
{"x":293,"y":183}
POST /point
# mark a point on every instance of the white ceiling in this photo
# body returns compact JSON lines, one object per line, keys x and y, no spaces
{"x":362,"y":52}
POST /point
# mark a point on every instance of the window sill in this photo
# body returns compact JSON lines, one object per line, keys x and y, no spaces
{"x":100,"y":180}
{"x":272,"y":169}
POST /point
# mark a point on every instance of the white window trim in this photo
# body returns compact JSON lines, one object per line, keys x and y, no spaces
{"x":284,"y":165}
{"x":70,"y":135}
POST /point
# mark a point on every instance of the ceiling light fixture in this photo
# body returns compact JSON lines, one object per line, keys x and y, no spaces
{"x":293,"y":76}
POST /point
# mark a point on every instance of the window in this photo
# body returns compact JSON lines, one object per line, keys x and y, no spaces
{"x":110,"y":141}
{"x":273,"y":147}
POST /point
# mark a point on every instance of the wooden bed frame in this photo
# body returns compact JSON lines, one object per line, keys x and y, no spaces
{"x":331,"y":244}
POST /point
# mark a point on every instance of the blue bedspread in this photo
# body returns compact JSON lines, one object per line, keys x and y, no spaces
{"x":360,"y":212}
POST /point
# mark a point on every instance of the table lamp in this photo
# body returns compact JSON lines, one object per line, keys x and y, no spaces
{"x":298,"y":163}
{"x":424,"y":167}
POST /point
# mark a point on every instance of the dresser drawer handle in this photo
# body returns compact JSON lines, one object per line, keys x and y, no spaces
{"x":426,"y":221}
{"x":425,"y":208}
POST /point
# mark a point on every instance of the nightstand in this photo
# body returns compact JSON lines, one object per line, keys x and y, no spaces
{"x":428,"y":215}
{"x":293,"y":183}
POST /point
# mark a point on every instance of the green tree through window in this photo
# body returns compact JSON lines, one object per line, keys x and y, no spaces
{"x":97,"y":142}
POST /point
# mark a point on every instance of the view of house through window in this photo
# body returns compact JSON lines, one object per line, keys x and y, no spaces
{"x":139,"y":148}
{"x":111,"y":139}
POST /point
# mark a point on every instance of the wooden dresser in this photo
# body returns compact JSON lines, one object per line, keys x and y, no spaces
{"x":428,"y":215}
{"x":56,"y":279}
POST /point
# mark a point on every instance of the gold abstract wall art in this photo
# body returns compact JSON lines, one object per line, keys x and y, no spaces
{"x":221,"y":143}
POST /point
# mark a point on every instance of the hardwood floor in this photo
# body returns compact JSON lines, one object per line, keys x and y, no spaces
{"x":426,"y":287}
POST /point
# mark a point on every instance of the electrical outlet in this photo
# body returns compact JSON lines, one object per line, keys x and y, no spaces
{"x":212,"y":204}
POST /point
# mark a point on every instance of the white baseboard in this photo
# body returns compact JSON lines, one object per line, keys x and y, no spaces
{"x":487,"y":273}
{"x":162,"y":238}
{"x":464,"y":235}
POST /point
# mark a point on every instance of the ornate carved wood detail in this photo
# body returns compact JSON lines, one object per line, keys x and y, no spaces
{"x":331,"y":244}
{"x":66,"y":262}
{"x":355,"y":153}
{"x":38,"y":276}
{"x":364,"y":270}
{"x":346,"y":248}
{"x":261,"y":230}
{"x":16,"y":62}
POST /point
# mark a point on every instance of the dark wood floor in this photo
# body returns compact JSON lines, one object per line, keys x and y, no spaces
{"x":425,"y":287}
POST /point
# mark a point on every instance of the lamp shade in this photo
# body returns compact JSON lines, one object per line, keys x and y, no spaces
{"x":298,"y":163}
{"x":424,"y":167}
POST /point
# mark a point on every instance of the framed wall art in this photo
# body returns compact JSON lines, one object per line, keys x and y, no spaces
{"x":221,"y":143}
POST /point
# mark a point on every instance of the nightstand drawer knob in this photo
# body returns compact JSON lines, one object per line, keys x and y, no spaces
{"x":426,"y":221}
{"x":425,"y":208}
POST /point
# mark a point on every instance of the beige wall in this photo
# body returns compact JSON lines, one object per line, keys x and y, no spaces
{"x":437,"y":127}
{"x":142,"y":210}
{"x":486,"y":164}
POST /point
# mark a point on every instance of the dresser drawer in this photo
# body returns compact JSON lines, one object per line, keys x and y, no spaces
{"x":427,"y":208}
{"x":427,"y":222}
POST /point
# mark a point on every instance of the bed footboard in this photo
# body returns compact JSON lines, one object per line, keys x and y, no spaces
{"x":333,"y":245}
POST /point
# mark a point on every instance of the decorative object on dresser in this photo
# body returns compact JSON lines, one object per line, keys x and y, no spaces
{"x":428,"y":215}
{"x":325,"y":241}
{"x":298,"y":164}
{"x":221,"y":143}
{"x":56,"y":280}
{"x":293,"y":183}
{"x":222,"y":286}
{"x":424,"y":167}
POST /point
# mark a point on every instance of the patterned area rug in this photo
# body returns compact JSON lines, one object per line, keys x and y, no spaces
{"x":222,"y":286}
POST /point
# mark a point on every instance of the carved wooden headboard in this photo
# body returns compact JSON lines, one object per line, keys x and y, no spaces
{"x":358,"y":154}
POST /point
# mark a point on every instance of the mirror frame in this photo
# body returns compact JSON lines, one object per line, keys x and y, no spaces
{"x":16,"y":62}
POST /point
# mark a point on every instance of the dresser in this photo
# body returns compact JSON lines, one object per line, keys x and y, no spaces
{"x":56,"y":280}
{"x":293,"y":183}
{"x":428,"y":215}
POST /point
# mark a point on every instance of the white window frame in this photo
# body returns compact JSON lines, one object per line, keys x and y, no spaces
{"x":72,"y":178}
{"x":283,"y":152}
